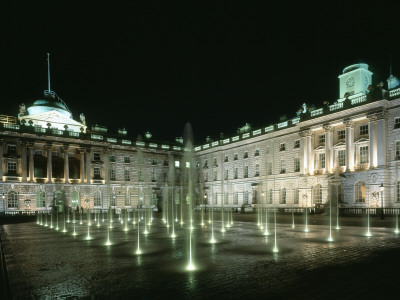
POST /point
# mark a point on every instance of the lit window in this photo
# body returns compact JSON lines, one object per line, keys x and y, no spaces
{"x":321,"y":139}
{"x":127,"y":159}
{"x":96,"y":156}
{"x":40,"y":199}
{"x":177,"y":164}
{"x":12,"y":199}
{"x":360,"y":192}
{"x":12,"y":167}
{"x":187,"y":164}
{"x":364,"y":129}
{"x":341,"y":134}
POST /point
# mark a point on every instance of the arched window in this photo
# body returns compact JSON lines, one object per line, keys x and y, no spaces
{"x":283,"y":198}
{"x":40,"y":199}
{"x":74,"y":199}
{"x":12,"y":199}
{"x":360,"y":192}
{"x":97,"y":198}
{"x":317,"y":194}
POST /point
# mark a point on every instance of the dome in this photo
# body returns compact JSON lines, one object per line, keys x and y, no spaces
{"x":50,"y":102}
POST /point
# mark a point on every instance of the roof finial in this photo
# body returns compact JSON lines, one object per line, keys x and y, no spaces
{"x":48,"y":70}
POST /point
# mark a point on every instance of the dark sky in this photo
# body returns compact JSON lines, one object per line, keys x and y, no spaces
{"x":157,"y":65}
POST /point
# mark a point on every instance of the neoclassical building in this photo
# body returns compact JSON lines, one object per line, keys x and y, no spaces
{"x":346,"y":152}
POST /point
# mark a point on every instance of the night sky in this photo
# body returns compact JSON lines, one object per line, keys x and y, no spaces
{"x":158,"y":65}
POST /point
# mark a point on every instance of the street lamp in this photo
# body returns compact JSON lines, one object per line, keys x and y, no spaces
{"x":381,"y":188}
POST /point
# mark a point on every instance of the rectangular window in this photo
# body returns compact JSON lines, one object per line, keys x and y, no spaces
{"x":398,"y":191}
{"x":12,"y":167}
{"x":282,"y":147}
{"x":321,"y":139}
{"x":153,"y":175}
{"x":297,"y":164}
{"x":363,"y":154}
{"x":177,"y":164}
{"x":257,"y":173}
{"x":154,"y":162}
{"x":269,"y":168}
{"x":187,"y":164}
{"x":215,"y":176}
{"x":246,"y":197}
{"x":126,"y":175}
{"x":111,"y":158}
{"x":96,"y":156}
{"x":296,"y":144}
{"x":54,"y":153}
{"x":342,"y":157}
{"x":38,"y":152}
{"x":226,"y":174}
{"x":257,"y":152}
{"x":321,"y":159}
{"x":215,"y":162}
{"x":270,"y":196}
{"x":112,"y":174}
{"x":236,"y":202}
{"x":283,"y":166}
{"x":236,"y":173}
{"x":12,"y":149}
{"x":96,"y":172}
{"x":341,"y":134}
{"x":40,"y":199}
{"x":127,"y":159}
{"x":216,"y":199}
{"x":296,"y":196}
{"x":71,"y":155}
{"x":246,"y":171}
{"x":226,"y":158}
{"x":205,"y":164}
{"x":397,"y":154}
{"x":364,"y":129}
{"x":397,"y":123}
{"x":246,"y":155}
{"x":235,"y":157}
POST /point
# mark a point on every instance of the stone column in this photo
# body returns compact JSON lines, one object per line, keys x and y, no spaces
{"x":349,"y":145}
{"x":106,"y":166}
{"x":381,"y":140}
{"x":82,"y":151}
{"x":372,"y":136}
{"x":47,"y":147}
{"x":31,"y":161}
{"x":328,"y":148}
{"x":303,"y":152}
{"x":310,"y":153}
{"x":1,"y":159}
{"x":24,"y":161}
{"x":66,"y":163}
{"x":88,"y":165}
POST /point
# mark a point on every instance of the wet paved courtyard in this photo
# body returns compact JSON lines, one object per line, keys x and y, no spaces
{"x":44,"y":263}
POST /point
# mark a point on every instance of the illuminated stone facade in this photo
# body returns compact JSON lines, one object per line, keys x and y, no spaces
{"x":343,"y":152}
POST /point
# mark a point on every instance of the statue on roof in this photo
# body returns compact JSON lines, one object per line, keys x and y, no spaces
{"x":83,"y":119}
{"x":22,"y":110}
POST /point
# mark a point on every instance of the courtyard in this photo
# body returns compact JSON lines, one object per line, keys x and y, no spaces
{"x":44,"y":263}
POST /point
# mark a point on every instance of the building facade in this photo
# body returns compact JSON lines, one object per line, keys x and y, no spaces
{"x":347,"y":152}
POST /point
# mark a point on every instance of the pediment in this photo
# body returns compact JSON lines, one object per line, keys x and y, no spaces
{"x":340,"y":144}
{"x":362,"y":140}
{"x":319,"y":148}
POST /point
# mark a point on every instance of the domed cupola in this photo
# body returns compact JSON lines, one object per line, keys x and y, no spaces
{"x":49,"y":102}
